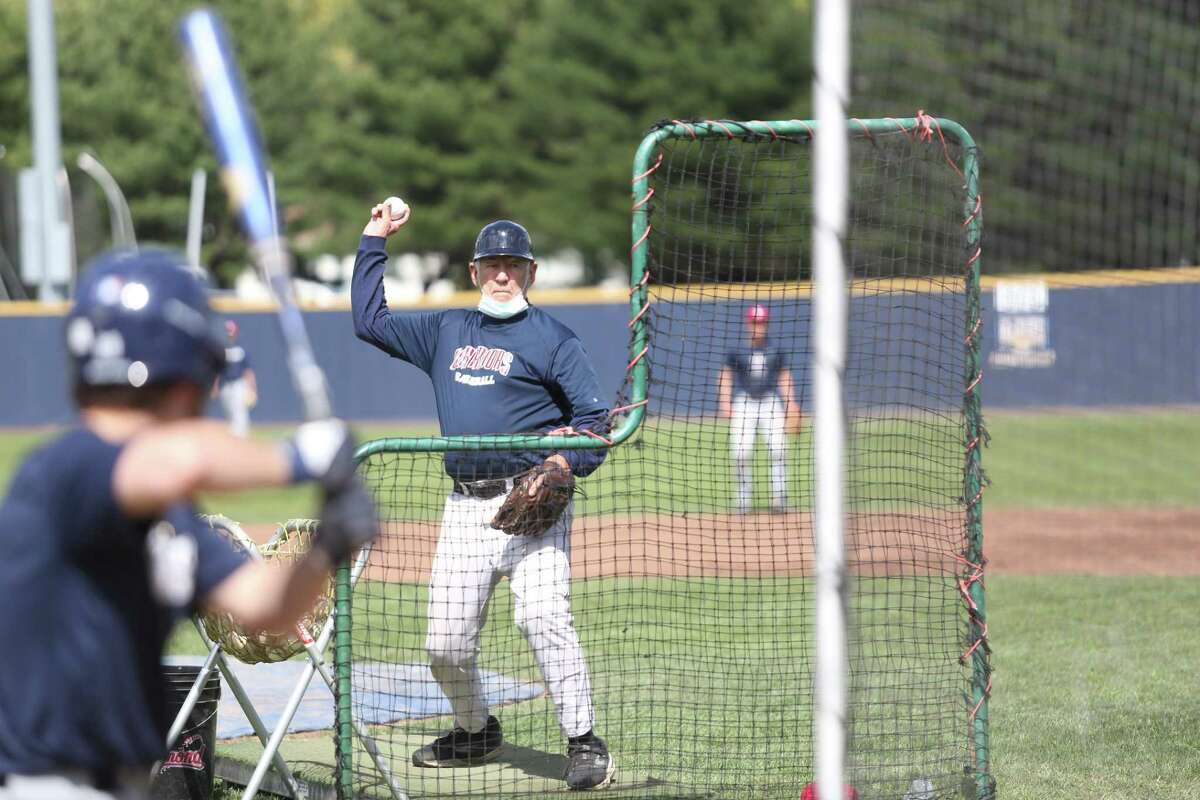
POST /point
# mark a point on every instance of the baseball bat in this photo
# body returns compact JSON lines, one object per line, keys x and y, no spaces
{"x":229,"y":120}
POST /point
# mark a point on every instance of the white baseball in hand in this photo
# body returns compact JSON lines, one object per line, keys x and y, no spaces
{"x":396,"y":207}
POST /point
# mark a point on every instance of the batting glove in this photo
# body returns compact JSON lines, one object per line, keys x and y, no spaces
{"x":348,"y":521}
{"x":322,"y":451}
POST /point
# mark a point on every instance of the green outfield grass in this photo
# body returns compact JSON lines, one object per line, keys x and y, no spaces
{"x":1079,"y":460}
{"x":1094,"y":459}
{"x":1093,"y":693}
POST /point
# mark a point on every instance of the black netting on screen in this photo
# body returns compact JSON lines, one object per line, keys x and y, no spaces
{"x":692,"y":548}
{"x":1085,"y":108}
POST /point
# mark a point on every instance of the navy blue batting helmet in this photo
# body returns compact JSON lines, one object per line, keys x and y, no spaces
{"x":503,"y":238}
{"x":142,"y":317}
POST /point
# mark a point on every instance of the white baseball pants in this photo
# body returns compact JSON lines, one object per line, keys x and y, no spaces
{"x":471,"y":559}
{"x":749,"y":417}
{"x":237,"y":410}
{"x":71,"y":785}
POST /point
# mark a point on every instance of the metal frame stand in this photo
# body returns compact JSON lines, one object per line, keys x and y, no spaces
{"x":271,"y":741}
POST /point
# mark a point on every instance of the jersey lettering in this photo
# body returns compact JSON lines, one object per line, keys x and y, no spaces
{"x":475,"y":380}
{"x":172,"y":565}
{"x":492,"y":359}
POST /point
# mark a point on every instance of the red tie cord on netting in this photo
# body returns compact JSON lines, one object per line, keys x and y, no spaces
{"x":690,"y":130}
{"x":570,"y":431}
{"x":975,"y":211}
{"x":807,"y":127}
{"x":650,"y":171}
{"x":964,"y":588}
{"x":987,"y":692}
{"x":974,"y":382}
{"x":644,"y":200}
{"x":900,"y":125}
{"x":970,"y":338}
{"x":721,"y":125}
{"x":766,"y":125}
{"x":925,"y":127}
{"x":866,"y":130}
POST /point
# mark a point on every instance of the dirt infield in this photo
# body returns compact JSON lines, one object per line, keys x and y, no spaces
{"x":1023,"y":542}
{"x":1093,"y":541}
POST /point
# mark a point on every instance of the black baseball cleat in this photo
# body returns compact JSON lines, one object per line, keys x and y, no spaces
{"x":459,"y":748}
{"x":589,"y":765}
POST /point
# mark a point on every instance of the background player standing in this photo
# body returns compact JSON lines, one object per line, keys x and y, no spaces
{"x":756,"y":394}
{"x":101,"y":551}
{"x":238,"y":385}
{"x":506,"y":367}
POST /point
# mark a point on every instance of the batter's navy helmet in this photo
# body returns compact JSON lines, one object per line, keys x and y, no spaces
{"x":143,"y":318}
{"x":503,"y":238}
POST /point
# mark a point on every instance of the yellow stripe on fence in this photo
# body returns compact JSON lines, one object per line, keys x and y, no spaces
{"x":702,"y":292}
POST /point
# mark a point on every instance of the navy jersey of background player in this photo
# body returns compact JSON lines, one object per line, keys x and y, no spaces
{"x":77,"y":632}
{"x":525,"y":374}
{"x":756,"y":370}
{"x":236,"y":363}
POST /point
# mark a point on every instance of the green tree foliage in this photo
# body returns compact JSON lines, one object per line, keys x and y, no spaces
{"x":124,"y":97}
{"x":592,"y":78}
{"x":1085,"y":113}
{"x":532,"y":109}
{"x":471,"y":110}
{"x":419,"y":109}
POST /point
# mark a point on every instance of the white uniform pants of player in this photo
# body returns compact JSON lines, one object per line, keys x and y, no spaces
{"x":73,"y":785}
{"x":470,"y":560}
{"x":750,"y":416}
{"x":237,"y":409}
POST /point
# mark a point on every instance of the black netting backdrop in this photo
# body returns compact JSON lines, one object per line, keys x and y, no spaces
{"x":1085,"y":110}
{"x":692,"y":546}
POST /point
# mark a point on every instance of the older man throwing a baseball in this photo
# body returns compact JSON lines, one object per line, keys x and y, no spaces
{"x":503,"y":367}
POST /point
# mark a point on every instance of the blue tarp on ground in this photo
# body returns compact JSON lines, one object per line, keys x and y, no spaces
{"x":383,"y":693}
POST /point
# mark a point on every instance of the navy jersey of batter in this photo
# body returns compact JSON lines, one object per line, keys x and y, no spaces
{"x":525,"y":374}
{"x":81,"y":678}
{"x":236,"y":363}
{"x":757,"y":383}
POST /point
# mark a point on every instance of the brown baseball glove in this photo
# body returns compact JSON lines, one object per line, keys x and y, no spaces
{"x":525,"y":514}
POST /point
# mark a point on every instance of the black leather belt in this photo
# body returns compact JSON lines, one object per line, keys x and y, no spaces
{"x":484,"y":490}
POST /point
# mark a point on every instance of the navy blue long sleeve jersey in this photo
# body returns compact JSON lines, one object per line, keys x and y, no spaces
{"x":525,"y":374}
{"x":83,"y":629}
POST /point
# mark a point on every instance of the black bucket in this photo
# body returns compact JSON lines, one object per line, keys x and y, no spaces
{"x":187,"y":771}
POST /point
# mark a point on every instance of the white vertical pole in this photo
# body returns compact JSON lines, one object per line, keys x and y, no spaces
{"x":831,"y":48}
{"x":195,"y":229}
{"x":47,"y":150}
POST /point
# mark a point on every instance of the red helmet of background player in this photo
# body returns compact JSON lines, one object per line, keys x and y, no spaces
{"x":757,"y":313}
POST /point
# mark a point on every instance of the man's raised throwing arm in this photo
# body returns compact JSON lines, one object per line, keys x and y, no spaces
{"x":404,"y":336}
